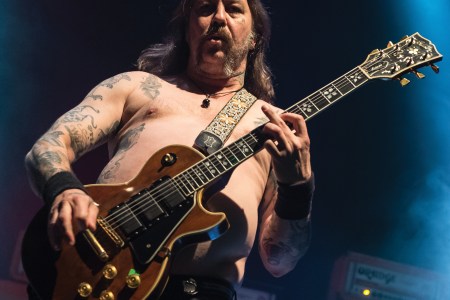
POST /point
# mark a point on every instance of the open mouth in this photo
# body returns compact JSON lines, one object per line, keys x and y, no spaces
{"x":215,"y":38}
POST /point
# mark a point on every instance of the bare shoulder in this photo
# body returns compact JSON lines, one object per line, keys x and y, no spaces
{"x":116,"y":87}
{"x":131,"y":81}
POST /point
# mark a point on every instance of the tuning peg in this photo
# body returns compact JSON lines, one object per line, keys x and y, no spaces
{"x":418,"y":74}
{"x":404,"y":38}
{"x":404,"y":81}
{"x":435,"y":68}
{"x":390,"y":44}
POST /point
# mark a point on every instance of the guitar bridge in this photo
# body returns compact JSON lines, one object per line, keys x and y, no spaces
{"x":111,"y":232}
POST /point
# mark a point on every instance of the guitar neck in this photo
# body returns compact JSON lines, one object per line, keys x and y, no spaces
{"x":329,"y":94}
{"x":227,"y":158}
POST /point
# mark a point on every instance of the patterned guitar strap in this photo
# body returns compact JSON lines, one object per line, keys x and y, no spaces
{"x":218,"y":131}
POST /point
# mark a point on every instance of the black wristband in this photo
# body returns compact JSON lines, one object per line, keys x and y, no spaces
{"x":294,"y":201}
{"x":58,"y":183}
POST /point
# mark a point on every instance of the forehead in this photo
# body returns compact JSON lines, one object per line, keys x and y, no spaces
{"x":244,"y":2}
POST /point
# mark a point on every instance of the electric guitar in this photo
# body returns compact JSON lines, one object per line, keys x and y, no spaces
{"x":142,"y":223}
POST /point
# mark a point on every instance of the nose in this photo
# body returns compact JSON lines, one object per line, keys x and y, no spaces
{"x":220,"y":14}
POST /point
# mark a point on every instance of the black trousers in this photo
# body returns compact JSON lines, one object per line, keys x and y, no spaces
{"x":197,"y":288}
{"x":187,"y":288}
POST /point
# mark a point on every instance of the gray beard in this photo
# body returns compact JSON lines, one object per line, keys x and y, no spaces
{"x":235,"y":55}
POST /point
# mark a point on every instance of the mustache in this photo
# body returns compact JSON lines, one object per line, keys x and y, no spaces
{"x":219,"y":32}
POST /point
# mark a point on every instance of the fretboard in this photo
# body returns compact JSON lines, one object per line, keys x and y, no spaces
{"x":329,"y":94}
{"x":229,"y":157}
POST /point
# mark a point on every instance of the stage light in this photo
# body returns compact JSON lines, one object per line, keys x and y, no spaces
{"x":366,"y":292}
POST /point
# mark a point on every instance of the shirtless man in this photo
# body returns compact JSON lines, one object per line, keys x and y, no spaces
{"x":138,"y":113}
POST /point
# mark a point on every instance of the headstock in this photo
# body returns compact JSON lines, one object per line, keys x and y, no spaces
{"x":403,"y":57}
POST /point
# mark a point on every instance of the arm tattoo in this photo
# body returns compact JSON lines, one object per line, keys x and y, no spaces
{"x":109,"y":83}
{"x":49,"y":163}
{"x":129,"y":139}
{"x":77,"y":114}
{"x":103,"y":136}
{"x":150,"y":86}
{"x":81,"y":139}
{"x":52,"y":138}
{"x":289,"y":248}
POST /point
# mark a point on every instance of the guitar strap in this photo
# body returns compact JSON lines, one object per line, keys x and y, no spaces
{"x":214,"y":136}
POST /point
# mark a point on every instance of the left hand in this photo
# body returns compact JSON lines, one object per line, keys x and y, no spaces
{"x":289,"y":148}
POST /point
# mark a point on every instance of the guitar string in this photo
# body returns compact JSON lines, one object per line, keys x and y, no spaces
{"x":135,"y":207}
{"x":147,"y":205}
{"x":144,"y":197}
{"x":172,"y":190}
{"x":173,"y":182}
{"x":369,"y":64}
{"x":339,"y":83}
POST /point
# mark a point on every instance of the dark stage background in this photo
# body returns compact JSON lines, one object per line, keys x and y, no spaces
{"x":381,"y":156}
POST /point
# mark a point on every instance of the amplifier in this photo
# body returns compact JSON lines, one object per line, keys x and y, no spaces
{"x":361,"y":277}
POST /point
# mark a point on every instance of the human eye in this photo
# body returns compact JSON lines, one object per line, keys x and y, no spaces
{"x":204,"y":8}
{"x":235,"y":9}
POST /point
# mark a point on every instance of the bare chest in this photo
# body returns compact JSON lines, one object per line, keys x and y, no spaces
{"x":175,"y":117}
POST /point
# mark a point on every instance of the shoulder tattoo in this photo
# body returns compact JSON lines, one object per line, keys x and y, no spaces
{"x":150,"y":86}
{"x":108,"y":83}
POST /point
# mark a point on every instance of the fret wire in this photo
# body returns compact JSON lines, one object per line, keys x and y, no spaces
{"x":252,"y":141}
{"x":218,"y":163}
{"x":226,"y":158}
{"x":243,"y":140}
{"x":196,"y":170}
{"x":205,"y":172}
{"x":213,"y":165}
{"x":253,"y":137}
{"x":205,"y":169}
{"x":194,"y":182}
{"x":317,"y":98}
{"x":336,"y":88}
{"x":185,"y":180}
{"x":182,"y":182}
{"x":236,"y":150}
{"x":308,"y":100}
{"x":351,"y":82}
{"x":229,"y":157}
{"x":178,"y":186}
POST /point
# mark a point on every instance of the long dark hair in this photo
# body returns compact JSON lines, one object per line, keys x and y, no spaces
{"x":171,"y":56}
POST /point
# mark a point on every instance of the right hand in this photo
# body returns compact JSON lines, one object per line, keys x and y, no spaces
{"x":72,"y":208}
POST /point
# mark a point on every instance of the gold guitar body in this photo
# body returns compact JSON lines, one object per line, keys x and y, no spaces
{"x":101,"y":267}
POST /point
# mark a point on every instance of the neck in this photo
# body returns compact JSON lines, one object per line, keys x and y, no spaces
{"x":210,"y":85}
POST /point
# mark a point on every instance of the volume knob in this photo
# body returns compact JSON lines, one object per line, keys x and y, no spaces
{"x":109,"y":271}
{"x":84,"y":289}
{"x":133,"y":281}
{"x":106,"y":295}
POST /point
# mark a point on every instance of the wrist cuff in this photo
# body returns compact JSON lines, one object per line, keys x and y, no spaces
{"x":294,"y":201}
{"x":58,"y":183}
